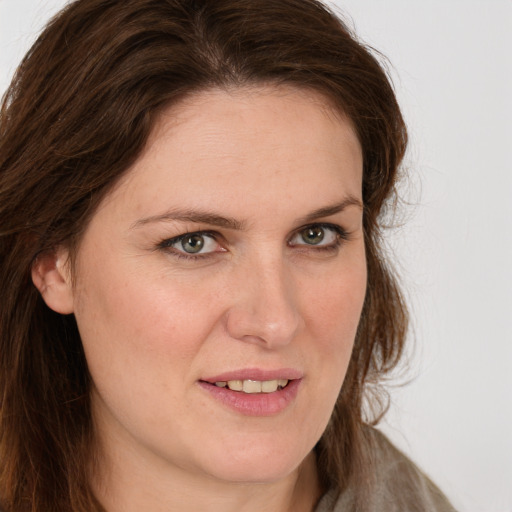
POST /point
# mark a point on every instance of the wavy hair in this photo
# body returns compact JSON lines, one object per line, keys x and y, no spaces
{"x":76,"y":116}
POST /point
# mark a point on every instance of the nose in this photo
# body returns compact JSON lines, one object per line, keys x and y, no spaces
{"x":264,"y":308}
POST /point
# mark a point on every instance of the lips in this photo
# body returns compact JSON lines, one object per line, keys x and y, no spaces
{"x":257,"y":374}
{"x":255,"y":392}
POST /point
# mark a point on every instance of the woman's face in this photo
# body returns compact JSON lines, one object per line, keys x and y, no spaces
{"x":230,"y":256}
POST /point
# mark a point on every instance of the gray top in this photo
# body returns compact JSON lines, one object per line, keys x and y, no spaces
{"x":400,"y":486}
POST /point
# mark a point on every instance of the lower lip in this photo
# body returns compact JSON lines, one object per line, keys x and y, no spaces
{"x":257,"y":404}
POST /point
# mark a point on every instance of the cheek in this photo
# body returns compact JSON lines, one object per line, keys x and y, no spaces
{"x":333,"y":321}
{"x":141,"y":336}
{"x":140,"y":322}
{"x":334,"y":307}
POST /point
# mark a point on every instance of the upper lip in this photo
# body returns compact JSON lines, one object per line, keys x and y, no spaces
{"x":256,"y":374}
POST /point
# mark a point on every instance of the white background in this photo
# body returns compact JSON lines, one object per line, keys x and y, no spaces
{"x":451,"y":62}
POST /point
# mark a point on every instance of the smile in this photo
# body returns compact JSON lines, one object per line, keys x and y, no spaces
{"x":253,"y":386}
{"x":252,"y":397}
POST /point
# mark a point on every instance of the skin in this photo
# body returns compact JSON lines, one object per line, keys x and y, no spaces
{"x":154,"y":323}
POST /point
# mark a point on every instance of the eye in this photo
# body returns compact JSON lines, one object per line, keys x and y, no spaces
{"x":319,"y":235}
{"x":313,"y":235}
{"x":191,"y":244}
{"x":194,"y":243}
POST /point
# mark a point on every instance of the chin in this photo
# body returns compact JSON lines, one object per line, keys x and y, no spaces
{"x":256,"y":463}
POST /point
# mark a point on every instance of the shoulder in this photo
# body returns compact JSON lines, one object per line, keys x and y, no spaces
{"x":398,"y":485}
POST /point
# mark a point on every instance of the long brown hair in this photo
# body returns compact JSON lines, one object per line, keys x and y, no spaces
{"x":77,"y":114}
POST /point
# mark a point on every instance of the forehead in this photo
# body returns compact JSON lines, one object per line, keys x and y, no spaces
{"x":218,"y":144}
{"x":259,"y":110}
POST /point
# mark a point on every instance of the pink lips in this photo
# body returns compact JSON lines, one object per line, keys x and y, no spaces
{"x":258,"y":404}
{"x":256,"y":374}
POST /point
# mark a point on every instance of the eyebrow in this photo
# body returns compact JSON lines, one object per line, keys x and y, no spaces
{"x":333,"y":209}
{"x":213,"y":219}
{"x":194,"y":216}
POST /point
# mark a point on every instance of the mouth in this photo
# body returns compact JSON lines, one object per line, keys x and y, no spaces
{"x":255,"y":392}
{"x":252,"y":387}
{"x":254,"y":397}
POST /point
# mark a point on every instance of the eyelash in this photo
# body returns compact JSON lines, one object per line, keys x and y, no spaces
{"x":167,"y":244}
{"x":341,"y":236}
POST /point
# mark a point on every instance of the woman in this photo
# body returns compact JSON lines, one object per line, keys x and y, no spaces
{"x":195,"y":310}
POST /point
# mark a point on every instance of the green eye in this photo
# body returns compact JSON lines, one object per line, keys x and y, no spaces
{"x":192,"y":244}
{"x":195,"y":245}
{"x":313,"y":235}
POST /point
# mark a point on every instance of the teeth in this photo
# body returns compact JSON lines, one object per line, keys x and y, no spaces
{"x":269,"y":386}
{"x":236,"y":385}
{"x":253,"y":386}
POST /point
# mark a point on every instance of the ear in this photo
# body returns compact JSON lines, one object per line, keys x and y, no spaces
{"x":52,"y":277}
